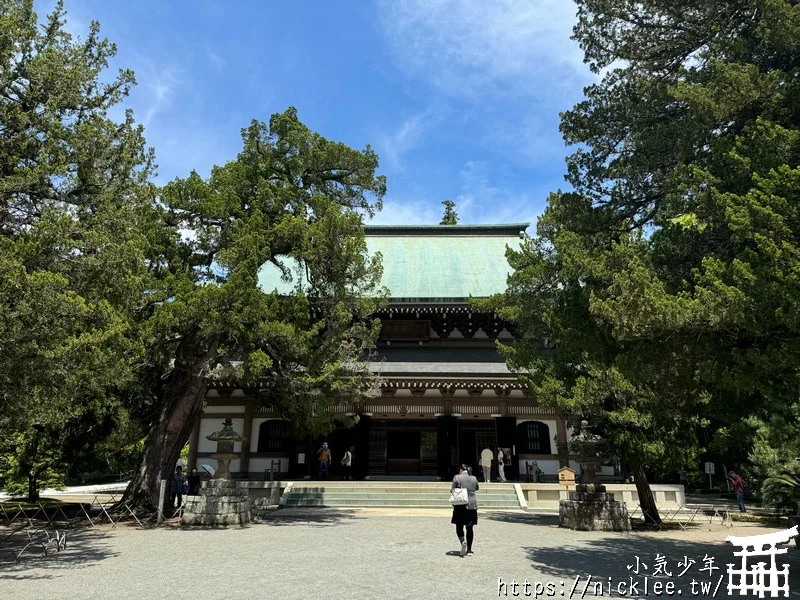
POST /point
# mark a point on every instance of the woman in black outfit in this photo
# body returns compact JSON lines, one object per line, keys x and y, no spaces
{"x":465,"y":515}
{"x":194,"y":482}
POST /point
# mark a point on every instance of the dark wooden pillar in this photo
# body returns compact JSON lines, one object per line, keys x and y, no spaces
{"x":447,"y":446}
{"x":561,"y":431}
{"x":361,"y":452}
{"x":247,"y":432}
{"x":507,"y":438}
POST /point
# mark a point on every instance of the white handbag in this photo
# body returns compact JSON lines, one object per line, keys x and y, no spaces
{"x":459,"y":496}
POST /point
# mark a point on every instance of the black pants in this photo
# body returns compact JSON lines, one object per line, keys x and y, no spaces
{"x":470,"y":535}
{"x":173,"y":496}
{"x":348,"y":472}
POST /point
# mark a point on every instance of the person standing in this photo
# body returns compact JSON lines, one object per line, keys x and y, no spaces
{"x":738,"y":488}
{"x":486,"y":464}
{"x":176,"y":487}
{"x":465,"y":515}
{"x":347,"y":465}
{"x":501,"y":464}
{"x":194,"y":482}
{"x":324,"y":455}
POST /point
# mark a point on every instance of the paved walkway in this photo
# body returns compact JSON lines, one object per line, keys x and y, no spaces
{"x":332,"y":554}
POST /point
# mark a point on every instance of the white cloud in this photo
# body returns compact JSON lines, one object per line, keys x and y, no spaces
{"x":216,"y":59}
{"x":509,"y":65}
{"x":406,"y":212}
{"x":483,"y":201}
{"x":475,"y":48}
{"x":393,"y":146}
{"x":160,"y":85}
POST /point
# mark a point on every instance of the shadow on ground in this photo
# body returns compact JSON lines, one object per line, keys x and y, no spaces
{"x":613,"y":558}
{"x":308,"y":516}
{"x":84,"y":547}
{"x":517,"y":517}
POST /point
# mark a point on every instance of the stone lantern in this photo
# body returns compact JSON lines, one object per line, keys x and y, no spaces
{"x":221,"y":501}
{"x":225,"y":438}
{"x":590,"y":507}
{"x":588,"y":443}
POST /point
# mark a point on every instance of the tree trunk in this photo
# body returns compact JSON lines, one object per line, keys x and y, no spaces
{"x":181,"y":407}
{"x":647,"y":501}
{"x":27,"y":463}
{"x":33,"y":487}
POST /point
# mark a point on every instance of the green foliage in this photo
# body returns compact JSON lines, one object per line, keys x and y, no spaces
{"x":110,"y":319}
{"x":450,"y":216}
{"x":73,"y":194}
{"x":776,"y":456}
{"x":294,"y":200}
{"x":663,"y":291}
{"x":21,"y":456}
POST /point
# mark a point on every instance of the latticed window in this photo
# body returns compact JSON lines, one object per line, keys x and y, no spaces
{"x":536,"y":437}
{"x":272,"y":436}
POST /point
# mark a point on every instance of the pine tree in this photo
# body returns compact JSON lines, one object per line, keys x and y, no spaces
{"x":662,"y":293}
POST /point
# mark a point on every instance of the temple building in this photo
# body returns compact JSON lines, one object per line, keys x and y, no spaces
{"x":446,"y":394}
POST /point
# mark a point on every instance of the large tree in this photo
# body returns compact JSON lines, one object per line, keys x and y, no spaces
{"x":73,"y":194}
{"x":291,"y":199}
{"x":670,"y":277}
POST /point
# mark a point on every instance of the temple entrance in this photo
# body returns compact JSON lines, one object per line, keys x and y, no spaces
{"x":402,"y":452}
{"x":473,"y":437}
{"x":402,"y":448}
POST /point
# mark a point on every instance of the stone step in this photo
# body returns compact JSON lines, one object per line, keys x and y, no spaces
{"x":479,"y":493}
{"x":401,"y":494}
{"x":399,"y":497}
{"x":410,"y":503}
{"x":404,"y":490}
{"x":393,"y":484}
{"x":394,"y":499}
{"x":360,"y":497}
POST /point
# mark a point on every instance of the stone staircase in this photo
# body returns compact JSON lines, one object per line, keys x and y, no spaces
{"x":399,"y":494}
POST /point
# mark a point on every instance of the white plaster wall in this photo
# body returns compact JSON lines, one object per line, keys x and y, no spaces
{"x":549,"y":467}
{"x":234,"y":467}
{"x":209,"y":426}
{"x":260,"y":464}
{"x":211,"y":410}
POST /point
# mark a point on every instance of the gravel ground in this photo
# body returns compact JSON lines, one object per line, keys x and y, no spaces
{"x":378,"y":553}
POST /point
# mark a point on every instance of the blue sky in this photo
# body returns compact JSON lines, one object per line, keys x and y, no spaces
{"x":460,"y":98}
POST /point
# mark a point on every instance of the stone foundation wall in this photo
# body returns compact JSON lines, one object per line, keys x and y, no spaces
{"x":548,"y":495}
{"x":220,"y":502}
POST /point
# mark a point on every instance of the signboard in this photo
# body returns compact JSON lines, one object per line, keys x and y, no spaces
{"x":301,"y":459}
{"x":566,"y":476}
{"x":710,"y":468}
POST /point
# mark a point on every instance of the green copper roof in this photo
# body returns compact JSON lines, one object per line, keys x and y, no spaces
{"x":433,"y":262}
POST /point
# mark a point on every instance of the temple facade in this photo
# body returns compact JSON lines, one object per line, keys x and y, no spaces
{"x":446,"y":394}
